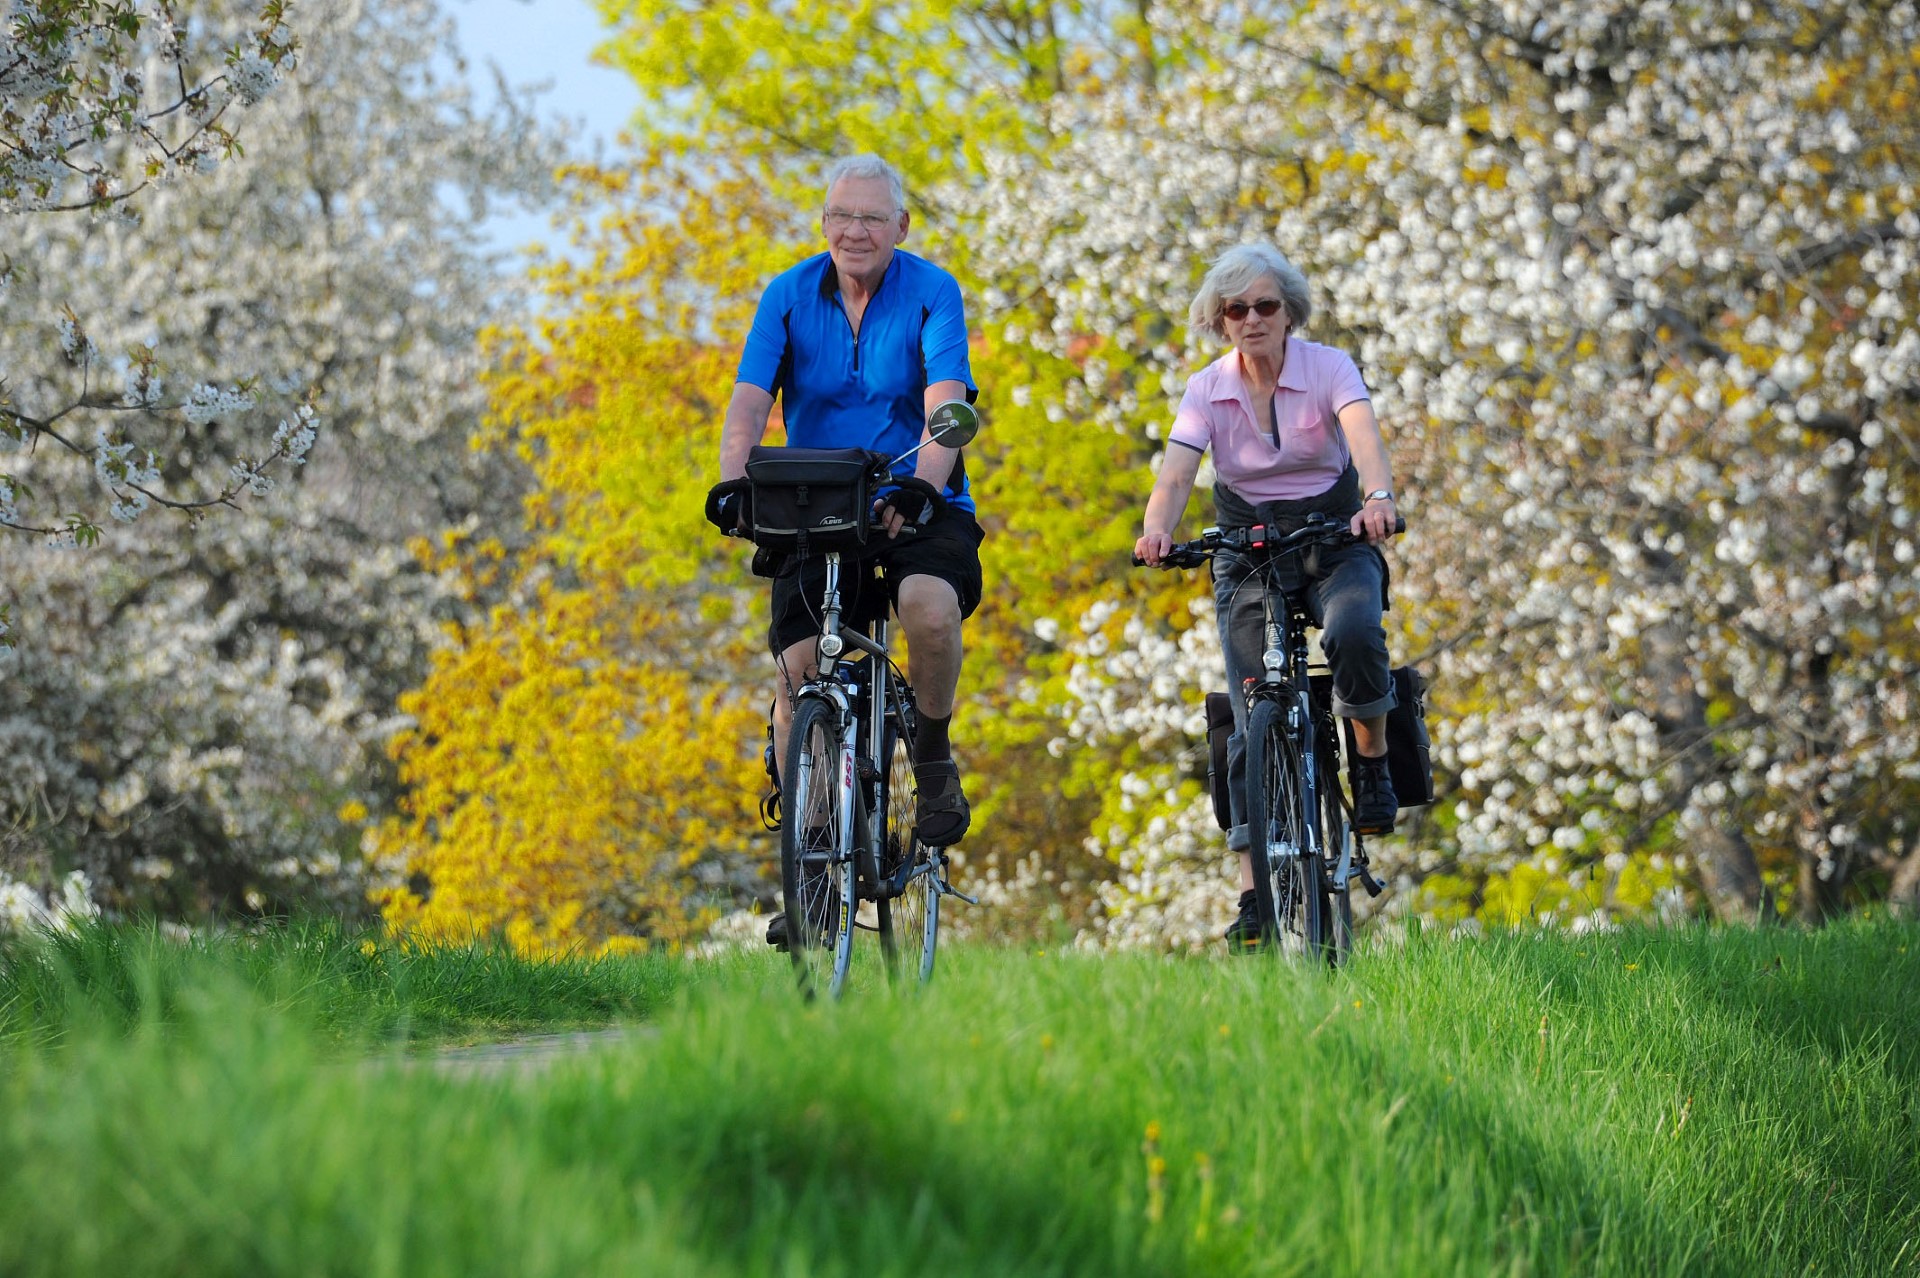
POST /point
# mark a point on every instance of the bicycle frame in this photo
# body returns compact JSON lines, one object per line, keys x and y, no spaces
{"x":1282,"y":700}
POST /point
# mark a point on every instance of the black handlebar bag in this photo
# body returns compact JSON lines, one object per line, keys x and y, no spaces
{"x":812,"y":500}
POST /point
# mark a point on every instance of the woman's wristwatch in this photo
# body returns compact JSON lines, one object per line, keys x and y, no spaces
{"x":1378,"y":494}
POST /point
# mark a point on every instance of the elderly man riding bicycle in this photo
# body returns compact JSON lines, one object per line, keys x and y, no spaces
{"x":860,"y":344}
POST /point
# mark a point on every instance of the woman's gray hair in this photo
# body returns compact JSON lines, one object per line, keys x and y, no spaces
{"x":869,"y":166}
{"x":1233,"y":273}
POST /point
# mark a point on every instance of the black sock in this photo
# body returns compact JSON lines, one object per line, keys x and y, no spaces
{"x":930,"y":744}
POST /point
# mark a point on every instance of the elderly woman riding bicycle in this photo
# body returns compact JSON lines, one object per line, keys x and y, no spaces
{"x":1293,"y":434}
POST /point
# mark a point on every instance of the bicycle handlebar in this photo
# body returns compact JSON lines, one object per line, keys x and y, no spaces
{"x":1318,"y":530}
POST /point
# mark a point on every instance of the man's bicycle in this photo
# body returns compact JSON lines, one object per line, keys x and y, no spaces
{"x":847,"y":792}
{"x":1304,"y":848}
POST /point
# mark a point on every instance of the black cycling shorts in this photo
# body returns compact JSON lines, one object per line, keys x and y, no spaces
{"x":948,"y":548}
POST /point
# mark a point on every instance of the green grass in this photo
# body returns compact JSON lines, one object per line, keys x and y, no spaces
{"x":343,"y":985}
{"x":1698,"y":1102}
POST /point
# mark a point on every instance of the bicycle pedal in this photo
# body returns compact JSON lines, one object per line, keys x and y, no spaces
{"x":1373,"y":886}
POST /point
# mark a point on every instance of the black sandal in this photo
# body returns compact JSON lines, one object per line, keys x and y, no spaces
{"x":941,"y":813}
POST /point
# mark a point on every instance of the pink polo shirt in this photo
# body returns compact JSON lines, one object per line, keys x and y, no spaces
{"x":1306,"y":452}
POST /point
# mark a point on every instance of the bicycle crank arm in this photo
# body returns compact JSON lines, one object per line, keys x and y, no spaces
{"x":895,"y":884}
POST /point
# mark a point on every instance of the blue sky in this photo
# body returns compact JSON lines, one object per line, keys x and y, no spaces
{"x":536,"y":41}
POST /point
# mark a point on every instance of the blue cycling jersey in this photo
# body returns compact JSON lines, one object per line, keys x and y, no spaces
{"x":838,"y":390}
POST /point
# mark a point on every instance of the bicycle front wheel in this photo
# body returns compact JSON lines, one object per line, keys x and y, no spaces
{"x":816,"y":856}
{"x":1286,"y":880}
{"x":909,"y":922}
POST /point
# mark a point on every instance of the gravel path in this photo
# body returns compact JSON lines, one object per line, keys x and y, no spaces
{"x":531,"y":1054}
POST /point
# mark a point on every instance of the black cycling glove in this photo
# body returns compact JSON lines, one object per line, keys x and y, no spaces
{"x":729,"y":505}
{"x":913,"y":499}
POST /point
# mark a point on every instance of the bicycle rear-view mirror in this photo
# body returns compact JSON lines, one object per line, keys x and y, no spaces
{"x":954,"y":423}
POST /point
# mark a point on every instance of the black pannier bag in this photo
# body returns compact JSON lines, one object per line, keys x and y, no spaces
{"x":1409,"y":750}
{"x":1409,"y":753}
{"x":816,"y":499}
{"x":1219,"y":728}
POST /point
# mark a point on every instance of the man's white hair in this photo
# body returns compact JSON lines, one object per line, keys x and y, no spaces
{"x":869,"y":166}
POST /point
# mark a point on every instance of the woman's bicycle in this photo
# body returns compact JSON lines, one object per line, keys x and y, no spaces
{"x":847,"y":794}
{"x":1304,"y":848}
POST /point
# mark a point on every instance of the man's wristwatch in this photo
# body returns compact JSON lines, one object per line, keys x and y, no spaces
{"x":1380,"y":494}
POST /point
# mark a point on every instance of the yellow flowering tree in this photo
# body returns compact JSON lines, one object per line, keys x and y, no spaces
{"x":586,"y":757}
{"x":581,"y":747}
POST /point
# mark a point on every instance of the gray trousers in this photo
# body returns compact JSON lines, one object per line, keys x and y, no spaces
{"x":1345,"y":590}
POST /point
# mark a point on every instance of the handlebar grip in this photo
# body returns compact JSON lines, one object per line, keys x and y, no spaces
{"x":934,"y":508}
{"x":1183,"y":555}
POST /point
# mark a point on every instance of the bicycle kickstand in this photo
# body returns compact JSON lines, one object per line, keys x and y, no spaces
{"x":947,"y":889}
{"x":1360,"y":871}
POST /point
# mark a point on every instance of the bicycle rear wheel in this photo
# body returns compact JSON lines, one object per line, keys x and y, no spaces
{"x":1337,"y":839}
{"x":909,"y":922}
{"x":816,"y":866}
{"x":1286,"y":880}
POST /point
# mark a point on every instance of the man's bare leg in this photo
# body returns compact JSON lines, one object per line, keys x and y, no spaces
{"x":929,"y":610}
{"x":801,"y":663}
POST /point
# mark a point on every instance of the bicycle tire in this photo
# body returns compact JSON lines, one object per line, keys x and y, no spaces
{"x":910,"y":922}
{"x":1286,"y":880}
{"x":1337,"y":839}
{"x":817,"y":885}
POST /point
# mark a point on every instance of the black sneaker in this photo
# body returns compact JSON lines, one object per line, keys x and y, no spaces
{"x":941,"y":813}
{"x":1374,"y":802}
{"x":825,"y":905}
{"x":1244,"y":936}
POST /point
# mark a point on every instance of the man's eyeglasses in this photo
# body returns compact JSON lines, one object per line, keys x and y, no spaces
{"x":840,"y":220}
{"x":1265,"y":308}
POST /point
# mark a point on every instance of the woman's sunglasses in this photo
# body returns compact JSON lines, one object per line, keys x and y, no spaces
{"x":1265,"y":308}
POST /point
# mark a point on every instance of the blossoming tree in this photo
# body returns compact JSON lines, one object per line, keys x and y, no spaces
{"x":100,"y":101}
{"x":196,"y":710}
{"x":1635,"y":289}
